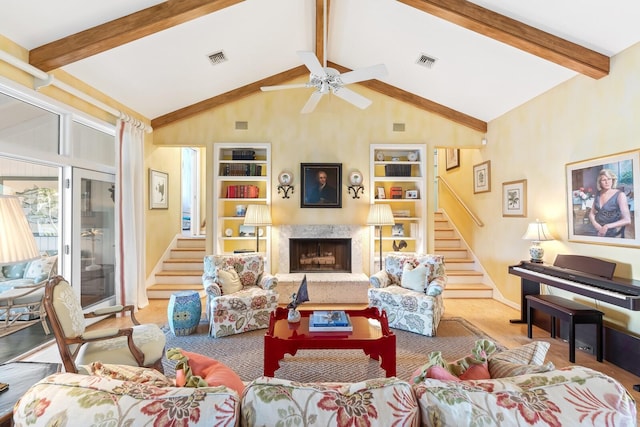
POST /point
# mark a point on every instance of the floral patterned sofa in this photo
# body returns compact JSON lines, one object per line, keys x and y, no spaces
{"x":240,"y":295}
{"x":571,"y":396}
{"x":410,"y":289}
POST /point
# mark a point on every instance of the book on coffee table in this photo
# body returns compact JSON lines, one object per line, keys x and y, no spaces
{"x":330,"y":321}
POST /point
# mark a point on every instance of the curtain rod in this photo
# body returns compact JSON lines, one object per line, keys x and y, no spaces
{"x":44,"y":79}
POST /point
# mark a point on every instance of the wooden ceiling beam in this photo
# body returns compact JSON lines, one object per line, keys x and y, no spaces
{"x":122,"y":30}
{"x":514,"y":33}
{"x":418,"y":102}
{"x":231,"y":96}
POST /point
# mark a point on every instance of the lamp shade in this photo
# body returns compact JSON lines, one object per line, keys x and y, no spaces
{"x":16,"y":239}
{"x":257,"y":215}
{"x":537,"y":231}
{"x":380,"y":214}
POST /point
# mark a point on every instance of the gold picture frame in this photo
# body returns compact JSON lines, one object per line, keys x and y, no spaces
{"x":482,"y":177}
{"x":514,"y":198}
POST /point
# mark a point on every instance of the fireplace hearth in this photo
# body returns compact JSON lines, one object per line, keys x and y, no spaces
{"x":315,"y":255}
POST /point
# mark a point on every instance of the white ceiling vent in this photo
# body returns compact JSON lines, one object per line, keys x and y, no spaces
{"x":426,"y":60}
{"x":217,"y":58}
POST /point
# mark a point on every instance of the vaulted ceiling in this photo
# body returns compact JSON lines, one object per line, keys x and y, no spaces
{"x":490,"y":55}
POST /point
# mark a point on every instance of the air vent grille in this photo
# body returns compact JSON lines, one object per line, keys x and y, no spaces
{"x":242,"y":125}
{"x":426,"y":60}
{"x":398,"y":127}
{"x":217,"y":58}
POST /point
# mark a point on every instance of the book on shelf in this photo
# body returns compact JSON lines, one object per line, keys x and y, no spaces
{"x":330,"y":321}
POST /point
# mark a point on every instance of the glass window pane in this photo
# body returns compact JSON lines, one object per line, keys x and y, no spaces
{"x":37,"y":187}
{"x":91,"y":144}
{"x":28,"y":126}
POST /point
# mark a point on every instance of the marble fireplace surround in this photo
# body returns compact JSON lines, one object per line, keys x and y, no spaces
{"x":323,"y":287}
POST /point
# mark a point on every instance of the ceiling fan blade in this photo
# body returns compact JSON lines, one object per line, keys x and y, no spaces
{"x":310,"y":60}
{"x":352,"y":97}
{"x":278,"y":87}
{"x":312,"y":102}
{"x":372,"y":72}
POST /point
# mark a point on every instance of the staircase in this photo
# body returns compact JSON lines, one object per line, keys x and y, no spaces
{"x":466,"y":280}
{"x":182,"y":271}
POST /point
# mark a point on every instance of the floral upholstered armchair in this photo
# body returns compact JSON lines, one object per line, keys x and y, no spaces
{"x":240,"y":295}
{"x":410,"y":289}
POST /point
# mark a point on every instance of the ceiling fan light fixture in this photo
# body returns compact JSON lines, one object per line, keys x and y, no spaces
{"x":427,"y":61}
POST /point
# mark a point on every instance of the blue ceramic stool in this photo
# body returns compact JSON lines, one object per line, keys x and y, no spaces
{"x":184,"y":312}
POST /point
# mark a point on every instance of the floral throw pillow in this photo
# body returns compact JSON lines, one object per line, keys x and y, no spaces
{"x":129,"y":373}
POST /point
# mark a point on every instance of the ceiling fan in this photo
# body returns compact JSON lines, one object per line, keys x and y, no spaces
{"x":329,"y":80}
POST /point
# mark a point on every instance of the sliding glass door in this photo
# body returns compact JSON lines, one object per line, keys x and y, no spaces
{"x":93,"y":257}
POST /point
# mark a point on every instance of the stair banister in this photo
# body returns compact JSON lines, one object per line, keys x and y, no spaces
{"x":464,"y":206}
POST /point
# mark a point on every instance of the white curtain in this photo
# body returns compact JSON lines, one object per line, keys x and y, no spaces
{"x":130,"y":265}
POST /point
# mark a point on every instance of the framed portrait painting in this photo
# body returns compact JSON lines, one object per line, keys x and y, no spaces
{"x":482,"y":177}
{"x":321,"y":185}
{"x":453,"y":158}
{"x":158,"y":190}
{"x":600,"y":199}
{"x":514,"y":198}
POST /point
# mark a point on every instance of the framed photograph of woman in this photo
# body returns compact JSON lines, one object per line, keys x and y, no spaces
{"x":600,"y":199}
{"x":321,"y":185}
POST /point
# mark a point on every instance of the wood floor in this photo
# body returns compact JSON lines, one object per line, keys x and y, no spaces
{"x":488,"y":315}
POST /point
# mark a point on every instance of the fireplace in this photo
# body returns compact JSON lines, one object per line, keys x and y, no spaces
{"x":320,"y":255}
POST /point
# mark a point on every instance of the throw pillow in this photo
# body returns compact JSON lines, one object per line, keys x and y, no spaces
{"x":502,"y":369}
{"x":41,"y":269}
{"x":229,"y":280}
{"x":474,"y":366}
{"x":414,"y":278}
{"x":14,"y":271}
{"x":529,"y":354}
{"x":202,"y":371}
{"x":129,"y":373}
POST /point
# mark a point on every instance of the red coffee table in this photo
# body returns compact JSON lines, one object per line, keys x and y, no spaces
{"x":374,"y":338}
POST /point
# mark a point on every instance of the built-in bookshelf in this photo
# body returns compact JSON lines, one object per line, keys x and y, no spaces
{"x":242,"y":177}
{"x":398,"y":178}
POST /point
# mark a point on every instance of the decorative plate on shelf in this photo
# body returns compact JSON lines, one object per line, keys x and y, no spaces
{"x":228,"y":232}
{"x":285,"y":178}
{"x":380,"y":156}
{"x":412,"y":156}
{"x":355,"y":178}
{"x":260,"y":232}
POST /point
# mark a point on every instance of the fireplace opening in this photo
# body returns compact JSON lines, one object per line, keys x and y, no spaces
{"x":320,"y":255}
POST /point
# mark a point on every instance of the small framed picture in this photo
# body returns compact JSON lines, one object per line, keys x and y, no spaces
{"x":397,"y":230}
{"x":380,"y":193}
{"x":158,"y":190}
{"x":247,"y":231}
{"x":453,"y":158}
{"x":482,"y":177}
{"x":514,"y":198}
{"x":411,"y":194}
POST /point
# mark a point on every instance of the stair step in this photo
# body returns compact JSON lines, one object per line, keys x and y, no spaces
{"x":443,"y":233}
{"x":181,"y":253}
{"x":467,"y":290}
{"x":190,"y":264}
{"x":450,"y":253}
{"x":164,"y":291}
{"x":182,"y":277}
{"x":447,"y":242}
{"x":191,"y":242}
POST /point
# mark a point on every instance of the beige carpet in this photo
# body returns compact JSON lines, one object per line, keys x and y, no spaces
{"x":244,"y":353}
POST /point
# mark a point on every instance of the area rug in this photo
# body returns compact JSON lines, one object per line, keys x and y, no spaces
{"x":244,"y":353}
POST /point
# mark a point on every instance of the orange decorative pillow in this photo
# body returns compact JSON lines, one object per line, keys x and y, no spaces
{"x":213,"y":372}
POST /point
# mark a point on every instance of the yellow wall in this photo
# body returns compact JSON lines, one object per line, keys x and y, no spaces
{"x":578,"y":120}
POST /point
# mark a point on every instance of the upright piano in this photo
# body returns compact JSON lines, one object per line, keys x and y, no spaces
{"x":587,"y":276}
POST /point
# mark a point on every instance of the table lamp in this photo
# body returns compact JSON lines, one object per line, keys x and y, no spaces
{"x":17,"y":243}
{"x":537,"y":232}
{"x":257,"y":215}
{"x":379,"y":215}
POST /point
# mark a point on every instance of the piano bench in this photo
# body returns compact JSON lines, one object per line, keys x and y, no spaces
{"x":567,"y":310}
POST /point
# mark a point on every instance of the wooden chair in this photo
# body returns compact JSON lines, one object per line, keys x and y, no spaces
{"x":139,"y":345}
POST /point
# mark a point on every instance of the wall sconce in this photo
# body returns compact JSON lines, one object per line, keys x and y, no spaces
{"x":285,"y":179}
{"x":355,"y":179}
